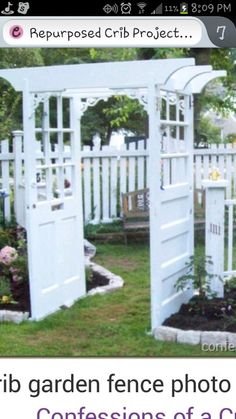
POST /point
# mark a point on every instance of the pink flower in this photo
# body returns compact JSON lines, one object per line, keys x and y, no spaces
{"x":8,"y":255}
{"x":16,"y":278}
{"x":15,"y":274}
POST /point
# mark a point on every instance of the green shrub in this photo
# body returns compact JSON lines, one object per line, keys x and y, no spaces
{"x":197,"y":276}
{"x":5,"y":287}
{"x":102,"y":228}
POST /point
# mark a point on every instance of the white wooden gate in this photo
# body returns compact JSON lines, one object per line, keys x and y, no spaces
{"x":53,"y":207}
{"x":171,"y":217}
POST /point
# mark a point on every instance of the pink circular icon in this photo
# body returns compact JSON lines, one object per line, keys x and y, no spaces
{"x":16,"y":31}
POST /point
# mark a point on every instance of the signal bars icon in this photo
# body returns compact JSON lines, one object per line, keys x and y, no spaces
{"x":109,"y":9}
{"x":158,"y":10}
{"x":141,"y":7}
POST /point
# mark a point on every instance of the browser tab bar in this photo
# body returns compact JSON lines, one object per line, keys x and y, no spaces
{"x":151,"y":32}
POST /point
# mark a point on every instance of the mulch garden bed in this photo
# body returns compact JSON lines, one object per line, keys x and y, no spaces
{"x":21,"y":297}
{"x":216,"y":314}
{"x":14,"y":284}
{"x":96,"y":280}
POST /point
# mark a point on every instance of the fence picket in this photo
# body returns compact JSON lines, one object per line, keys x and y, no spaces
{"x":96,"y":209}
{"x":234,"y":171}
{"x":87,"y":201}
{"x":198,"y":172}
{"x":113,"y":187}
{"x":140,"y":166}
{"x":6,"y":179}
{"x":214,"y":148}
{"x":123,"y":172}
{"x":17,"y":149}
{"x":131,"y":170}
{"x":221,"y":160}
{"x":105,"y":188}
{"x":229,"y":171}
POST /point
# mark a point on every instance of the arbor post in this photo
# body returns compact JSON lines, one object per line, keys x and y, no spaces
{"x":214,"y":232}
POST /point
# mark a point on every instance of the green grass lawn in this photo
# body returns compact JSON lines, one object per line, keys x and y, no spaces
{"x":115,"y":324}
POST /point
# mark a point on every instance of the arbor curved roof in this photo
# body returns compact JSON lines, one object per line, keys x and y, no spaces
{"x":174,"y":74}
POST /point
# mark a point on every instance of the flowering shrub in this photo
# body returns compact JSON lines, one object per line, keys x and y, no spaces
{"x":13,"y":263}
{"x":16,"y":277}
{"x":7,"y":255}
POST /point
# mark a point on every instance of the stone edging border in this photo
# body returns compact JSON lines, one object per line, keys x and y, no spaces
{"x":195,"y":337}
{"x":115,"y":281}
{"x":13,"y":316}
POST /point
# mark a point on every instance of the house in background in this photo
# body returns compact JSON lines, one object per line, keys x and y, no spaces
{"x":227,"y":125}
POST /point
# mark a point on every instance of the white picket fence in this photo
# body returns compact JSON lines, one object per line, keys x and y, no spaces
{"x":221,"y":156}
{"x":108,"y":172}
{"x":7,"y":175}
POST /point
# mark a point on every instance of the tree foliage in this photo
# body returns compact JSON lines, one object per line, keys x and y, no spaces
{"x":10,"y":101}
{"x":219,"y":94}
{"x":208,"y":132}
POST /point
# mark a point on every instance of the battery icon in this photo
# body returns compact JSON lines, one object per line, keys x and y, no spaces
{"x":184,"y":8}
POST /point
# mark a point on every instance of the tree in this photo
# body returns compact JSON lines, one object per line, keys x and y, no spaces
{"x":208,"y":131}
{"x":218,"y":95}
{"x":56,"y":56}
{"x":118,"y":112}
{"x":10,"y":100}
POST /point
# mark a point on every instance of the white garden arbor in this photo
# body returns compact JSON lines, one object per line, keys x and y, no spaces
{"x":54,"y":99}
